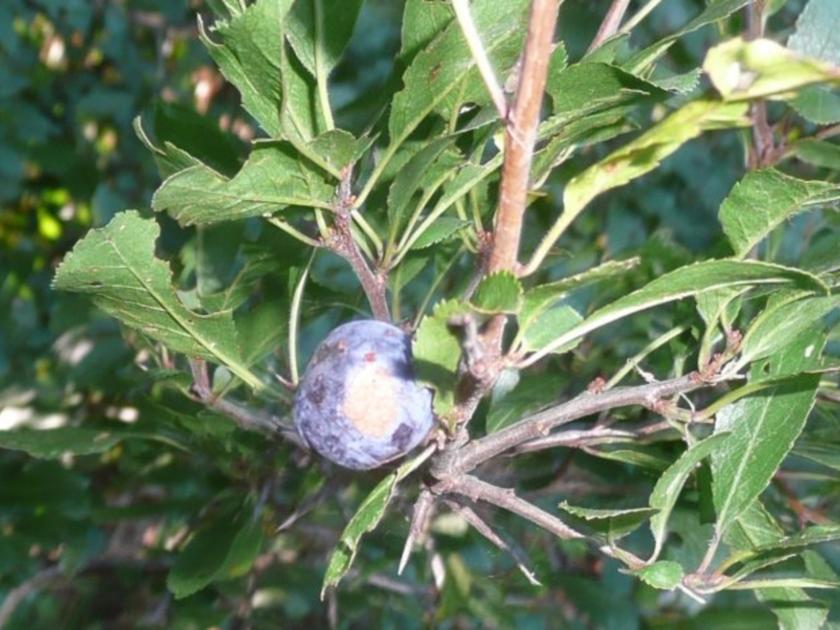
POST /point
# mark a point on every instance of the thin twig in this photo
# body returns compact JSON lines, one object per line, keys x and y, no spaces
{"x":245,"y":418}
{"x":485,"y":530}
{"x":34,"y":584}
{"x":540,"y":424}
{"x":637,"y":17}
{"x":342,"y":243}
{"x":477,"y":490}
{"x":610,"y":24}
{"x":763,"y":150}
{"x":598,"y":435}
{"x":423,"y":509}
{"x":482,"y":61}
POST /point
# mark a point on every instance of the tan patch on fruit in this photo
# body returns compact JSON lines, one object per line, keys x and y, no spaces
{"x":369,"y":401}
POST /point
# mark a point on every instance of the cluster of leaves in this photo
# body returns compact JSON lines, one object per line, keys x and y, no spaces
{"x":725,"y":484}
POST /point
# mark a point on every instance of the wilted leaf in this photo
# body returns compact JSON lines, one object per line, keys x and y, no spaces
{"x":761,"y":68}
{"x":646,"y":152}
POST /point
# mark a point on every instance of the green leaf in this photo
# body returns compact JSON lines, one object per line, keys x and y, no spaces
{"x":225,"y":548}
{"x":818,"y":104}
{"x":54,"y":443}
{"x":779,"y":324}
{"x":612,"y":523}
{"x":819,"y":153}
{"x":784,"y":582}
{"x":365,"y":520}
{"x":664,"y":575}
{"x":422,"y":172}
{"x":243,"y":550}
{"x":438,"y":71}
{"x":440,"y":230}
{"x":319,"y":44}
{"x":822,"y":453}
{"x":422,"y":21}
{"x":635,"y":455}
{"x":273,"y":177}
{"x":549,"y":325}
{"x":538,"y":299}
{"x":714,"y":12}
{"x":646,"y":152}
{"x":586,"y":87}
{"x":763,"y":429}
{"x":817,"y":34}
{"x":117,"y":266}
{"x":684,"y":282}
{"x":301,"y":114}
{"x":763,"y":200}
{"x":499,"y":292}
{"x":761,"y":68}
{"x":258,"y":263}
{"x":247,"y":52}
{"x":528,"y":396}
{"x":670,"y":484}
{"x":754,"y":529}
{"x":261,"y":330}
{"x":437,"y":352}
{"x":808,"y":537}
{"x":573,"y":136}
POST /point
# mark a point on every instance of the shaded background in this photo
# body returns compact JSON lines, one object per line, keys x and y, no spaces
{"x":73,"y":76}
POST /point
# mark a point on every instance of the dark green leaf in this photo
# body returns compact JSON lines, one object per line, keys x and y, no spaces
{"x":684,"y":282}
{"x":117,"y":266}
{"x":499,"y":292}
{"x":273,"y":177}
{"x":53,"y":443}
{"x":668,"y":488}
{"x":247,"y":50}
{"x":664,"y":575}
{"x":765,"y":199}
{"x":763,"y":428}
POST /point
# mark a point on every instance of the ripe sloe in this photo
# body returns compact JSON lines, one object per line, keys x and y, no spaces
{"x":358,"y":403}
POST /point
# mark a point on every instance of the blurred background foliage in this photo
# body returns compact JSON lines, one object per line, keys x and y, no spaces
{"x":73,"y":76}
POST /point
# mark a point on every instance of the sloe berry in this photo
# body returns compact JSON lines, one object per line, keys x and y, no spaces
{"x":358,"y":403}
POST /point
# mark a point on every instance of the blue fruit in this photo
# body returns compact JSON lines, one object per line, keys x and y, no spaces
{"x":358,"y":403}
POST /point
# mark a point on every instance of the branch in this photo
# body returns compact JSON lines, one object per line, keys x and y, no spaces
{"x":521,"y":134}
{"x":420,"y":516}
{"x":245,"y":418}
{"x":477,"y":490}
{"x":343,"y":244}
{"x":763,"y":151}
{"x":54,"y":574}
{"x":540,"y":424}
{"x":27,"y":588}
{"x":598,"y":435}
{"x":485,"y":530}
{"x":610,"y":24}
